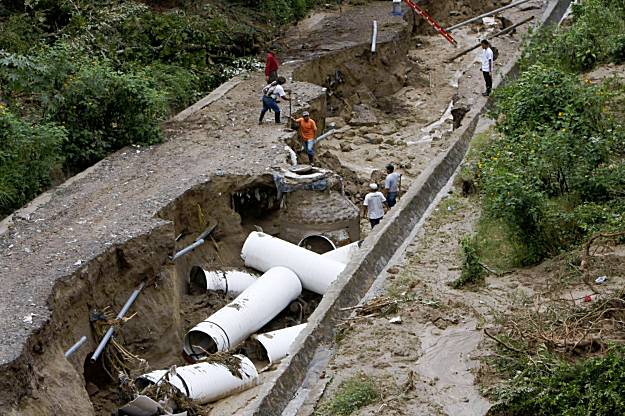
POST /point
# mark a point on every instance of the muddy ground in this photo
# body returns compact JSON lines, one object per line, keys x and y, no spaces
{"x":436,"y":360}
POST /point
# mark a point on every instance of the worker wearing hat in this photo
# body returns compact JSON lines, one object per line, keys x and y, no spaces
{"x":307,"y":132}
{"x":374,"y":205}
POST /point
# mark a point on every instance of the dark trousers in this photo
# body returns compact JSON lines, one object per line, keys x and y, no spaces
{"x":391,"y":199}
{"x":269,"y":103}
{"x":273,"y":76}
{"x":375,"y":221}
{"x":489,"y":81}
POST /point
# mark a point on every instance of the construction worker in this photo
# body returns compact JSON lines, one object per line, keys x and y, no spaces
{"x":308,"y":133}
{"x":271,"y":65}
{"x":271,"y":93}
{"x":487,"y":66}
{"x":391,"y":185}
{"x":374,"y":205}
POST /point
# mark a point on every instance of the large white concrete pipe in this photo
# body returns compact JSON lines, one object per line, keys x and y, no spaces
{"x":205,"y":382}
{"x":231,"y":282}
{"x":273,"y":346}
{"x":262,"y":252}
{"x":246,"y":314}
{"x":342,"y":254}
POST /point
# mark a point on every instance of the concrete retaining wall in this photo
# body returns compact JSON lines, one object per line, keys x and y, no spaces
{"x":376,"y":252}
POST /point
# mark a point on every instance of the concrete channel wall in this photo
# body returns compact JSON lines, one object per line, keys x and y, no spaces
{"x":377,"y":250}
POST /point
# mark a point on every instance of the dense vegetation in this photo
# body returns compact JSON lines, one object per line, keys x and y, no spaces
{"x":82,"y":78}
{"x":553,"y":176}
{"x":556,"y":173}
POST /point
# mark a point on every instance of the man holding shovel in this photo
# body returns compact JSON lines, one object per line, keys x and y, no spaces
{"x":308,"y":132}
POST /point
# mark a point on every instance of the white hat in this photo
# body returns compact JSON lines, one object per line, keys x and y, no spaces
{"x":373,"y":186}
{"x":305,"y":113}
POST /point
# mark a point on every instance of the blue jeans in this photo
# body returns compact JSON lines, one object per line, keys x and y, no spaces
{"x":310,"y":150}
{"x":269,"y":103}
{"x":374,"y":221}
{"x":391,"y":199}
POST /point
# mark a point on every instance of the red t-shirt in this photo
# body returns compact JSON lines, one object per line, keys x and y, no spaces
{"x":271,"y":64}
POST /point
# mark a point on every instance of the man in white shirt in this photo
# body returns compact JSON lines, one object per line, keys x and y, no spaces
{"x":271,"y":93}
{"x":487,"y":66}
{"x":391,"y":184}
{"x":374,"y":205}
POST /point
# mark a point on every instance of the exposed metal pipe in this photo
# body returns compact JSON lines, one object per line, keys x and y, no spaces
{"x":198,"y":242}
{"x":466,"y":22}
{"x":107,"y":337}
{"x":75,"y":347}
{"x":374,"y":36}
{"x":503,"y":32}
{"x":324,"y":135}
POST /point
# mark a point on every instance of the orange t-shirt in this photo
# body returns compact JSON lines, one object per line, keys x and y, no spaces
{"x":307,"y":128}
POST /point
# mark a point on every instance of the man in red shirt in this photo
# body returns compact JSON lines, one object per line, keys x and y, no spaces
{"x":308,"y":132}
{"x":271,"y":66}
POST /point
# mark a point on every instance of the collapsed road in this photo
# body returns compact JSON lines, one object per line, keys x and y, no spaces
{"x":76,"y":253}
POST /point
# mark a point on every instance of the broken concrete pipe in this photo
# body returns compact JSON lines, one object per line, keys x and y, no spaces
{"x":206,"y":382}
{"x":234,"y":282}
{"x":246,"y":314}
{"x":262,"y":252}
{"x":271,"y":347}
{"x":343,"y":254}
{"x":230,"y":282}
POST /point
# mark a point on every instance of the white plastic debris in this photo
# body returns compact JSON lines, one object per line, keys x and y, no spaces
{"x":601,"y":279}
{"x":396,"y":320}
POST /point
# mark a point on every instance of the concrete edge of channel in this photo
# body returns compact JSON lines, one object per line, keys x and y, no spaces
{"x":377,"y":250}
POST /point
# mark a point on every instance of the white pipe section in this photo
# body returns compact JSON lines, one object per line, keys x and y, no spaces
{"x":374,"y":36}
{"x":492,"y":12}
{"x":262,"y":252}
{"x":231,"y":282}
{"x":206,"y":382}
{"x":292,"y":155}
{"x":342,"y":254}
{"x":247,"y":313}
{"x":277,"y":344}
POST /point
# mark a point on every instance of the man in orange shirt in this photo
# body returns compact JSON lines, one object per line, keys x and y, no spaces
{"x":308,"y":132}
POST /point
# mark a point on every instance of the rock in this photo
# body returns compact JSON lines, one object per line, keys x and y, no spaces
{"x":346,"y":147}
{"x":360,"y":141}
{"x":390,"y":141}
{"x":403,"y":123}
{"x":363,"y":115}
{"x":453,"y":13}
{"x":406,"y":165}
{"x":374,"y":138}
{"x":338,"y":122}
{"x":388,"y":129}
{"x":393,"y":270}
{"x":383,"y":147}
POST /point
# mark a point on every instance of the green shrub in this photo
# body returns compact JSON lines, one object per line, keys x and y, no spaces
{"x":353,"y":394}
{"x":105,"y":110}
{"x":27,"y":155}
{"x":589,"y":41}
{"x":472,"y":270}
{"x":548,"y":386}
{"x":559,"y":148}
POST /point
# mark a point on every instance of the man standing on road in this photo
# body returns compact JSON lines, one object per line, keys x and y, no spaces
{"x":271,"y":94}
{"x":391,"y":185}
{"x":271,"y":66}
{"x":374,"y":205}
{"x":487,"y":66}
{"x":308,"y":132}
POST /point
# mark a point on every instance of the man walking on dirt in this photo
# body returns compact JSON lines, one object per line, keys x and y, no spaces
{"x":487,"y":66}
{"x":391,"y":185}
{"x":271,"y":65}
{"x":308,"y":132}
{"x":271,"y":94}
{"x":374,"y":205}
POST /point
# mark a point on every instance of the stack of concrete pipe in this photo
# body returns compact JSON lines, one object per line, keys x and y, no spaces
{"x":287,"y":268}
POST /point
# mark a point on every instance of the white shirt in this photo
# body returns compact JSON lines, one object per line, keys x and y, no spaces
{"x":487,"y":56}
{"x":374,"y":201}
{"x":392,"y":182}
{"x":275,"y":92}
